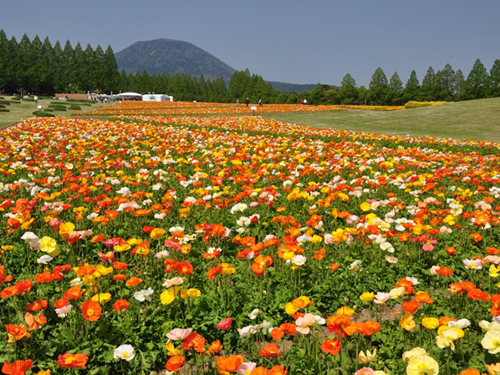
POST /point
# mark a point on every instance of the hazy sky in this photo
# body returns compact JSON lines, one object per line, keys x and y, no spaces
{"x":282,"y":40}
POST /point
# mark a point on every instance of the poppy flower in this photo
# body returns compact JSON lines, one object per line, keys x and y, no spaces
{"x":73,"y":293}
{"x":195,"y":341}
{"x":175,"y":363}
{"x":120,"y":304}
{"x":225,"y":324}
{"x":91,"y":310}
{"x":17,"y":368}
{"x":229,"y":364}
{"x":331,"y":346}
{"x":69,"y":360}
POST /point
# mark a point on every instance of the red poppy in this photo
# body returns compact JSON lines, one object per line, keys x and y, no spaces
{"x":120,"y":304}
{"x":184,"y":268}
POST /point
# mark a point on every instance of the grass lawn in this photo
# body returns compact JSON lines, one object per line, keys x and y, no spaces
{"x":24,"y":110}
{"x":475,"y":119}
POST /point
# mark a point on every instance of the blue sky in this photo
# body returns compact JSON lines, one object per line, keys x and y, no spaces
{"x":282,"y":40}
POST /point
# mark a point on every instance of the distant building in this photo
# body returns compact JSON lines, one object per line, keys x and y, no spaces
{"x":157,"y":98}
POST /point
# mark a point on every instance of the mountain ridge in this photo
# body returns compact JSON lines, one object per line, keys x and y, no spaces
{"x":171,"y":56}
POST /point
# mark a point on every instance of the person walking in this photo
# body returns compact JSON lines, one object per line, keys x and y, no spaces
{"x":260,"y":102}
{"x":247,"y":101}
{"x":35,"y":98}
{"x":237,"y":102}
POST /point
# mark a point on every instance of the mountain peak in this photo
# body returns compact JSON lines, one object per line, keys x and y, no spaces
{"x":171,"y":56}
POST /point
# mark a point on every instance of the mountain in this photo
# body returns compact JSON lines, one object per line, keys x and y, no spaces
{"x":171,"y":56}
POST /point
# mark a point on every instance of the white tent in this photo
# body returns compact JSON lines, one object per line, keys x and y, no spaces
{"x":157,"y":98}
{"x":129,"y":95}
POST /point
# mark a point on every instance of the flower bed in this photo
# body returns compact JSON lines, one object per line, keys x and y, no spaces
{"x":244,"y":245}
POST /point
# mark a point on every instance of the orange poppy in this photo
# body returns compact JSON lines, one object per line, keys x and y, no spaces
{"x":37,"y":305}
{"x":277,"y":334}
{"x":341,"y":325}
{"x":91,"y":310}
{"x":175,"y":363}
{"x":331,"y":346}
{"x":133,"y":281}
{"x":17,"y":368}
{"x":227,"y":365}
{"x":278,"y":370}
{"x":423,"y":297}
{"x":119,"y":277}
{"x":45,"y":277}
{"x":194,"y":340}
{"x":120,"y":266}
{"x":73,"y":293}
{"x":69,"y":360}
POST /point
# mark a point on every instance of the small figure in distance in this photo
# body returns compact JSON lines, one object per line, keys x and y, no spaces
{"x":247,"y":101}
{"x":260,"y":102}
{"x":237,"y":102}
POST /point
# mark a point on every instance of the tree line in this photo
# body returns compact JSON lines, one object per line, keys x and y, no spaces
{"x":37,"y":66}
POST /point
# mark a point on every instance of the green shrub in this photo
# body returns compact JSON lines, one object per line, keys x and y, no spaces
{"x":4,"y":102}
{"x":59,"y":102}
{"x":75,"y":107}
{"x":42,"y":114}
{"x":4,"y":110}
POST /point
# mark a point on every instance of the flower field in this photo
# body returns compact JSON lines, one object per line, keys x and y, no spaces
{"x":241,"y":245}
{"x":193,"y":108}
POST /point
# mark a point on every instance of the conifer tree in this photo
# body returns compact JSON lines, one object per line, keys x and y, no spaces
{"x":412,"y":88}
{"x":495,"y":79}
{"x":378,"y":89}
{"x":477,"y":85}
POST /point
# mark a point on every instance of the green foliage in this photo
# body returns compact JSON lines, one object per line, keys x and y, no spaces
{"x":43,"y":114}
{"x":477,"y":85}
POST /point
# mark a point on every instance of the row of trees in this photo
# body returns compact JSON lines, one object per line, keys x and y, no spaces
{"x":38,"y":67}
{"x":443,"y":85}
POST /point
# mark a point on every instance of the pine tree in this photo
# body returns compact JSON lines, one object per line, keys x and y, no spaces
{"x":447,"y":83}
{"x":460,"y":86}
{"x":378,"y":89}
{"x":495,"y":79}
{"x":45,"y":70}
{"x":348,"y":93}
{"x":396,"y":90}
{"x":412,"y":88}
{"x":111,"y":76}
{"x":22,"y":64}
{"x":477,"y":85}
{"x":4,"y":59}
{"x":430,"y":86}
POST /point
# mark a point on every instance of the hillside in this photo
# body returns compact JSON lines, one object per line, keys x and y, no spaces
{"x":173,"y":57}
